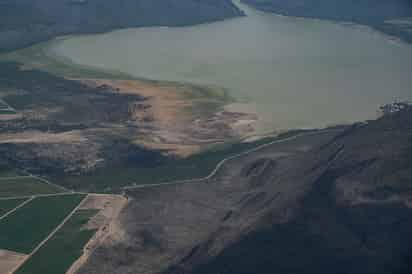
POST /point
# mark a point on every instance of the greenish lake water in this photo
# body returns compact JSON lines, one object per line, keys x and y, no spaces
{"x":292,"y":72}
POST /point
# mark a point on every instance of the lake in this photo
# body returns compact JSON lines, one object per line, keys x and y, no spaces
{"x":292,"y":72}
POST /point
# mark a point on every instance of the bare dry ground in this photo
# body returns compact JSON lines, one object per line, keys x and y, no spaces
{"x":10,"y":260}
{"x":169,"y":118}
{"x":106,"y":223}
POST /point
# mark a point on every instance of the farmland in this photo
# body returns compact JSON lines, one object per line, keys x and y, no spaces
{"x":69,"y":240}
{"x":7,"y":205}
{"x":25,"y":186}
{"x":27,"y":227}
{"x":43,"y":224}
{"x":6,"y":172}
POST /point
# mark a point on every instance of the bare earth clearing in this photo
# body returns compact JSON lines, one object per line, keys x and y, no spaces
{"x":105,"y":221}
{"x":10,"y":260}
{"x":169,"y":120}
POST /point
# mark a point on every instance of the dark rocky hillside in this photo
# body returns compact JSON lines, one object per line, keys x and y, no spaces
{"x":23,"y":22}
{"x":356,"y":218}
{"x":374,"y":13}
{"x":332,"y":202}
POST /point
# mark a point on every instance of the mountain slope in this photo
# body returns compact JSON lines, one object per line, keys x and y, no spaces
{"x":356,"y":218}
{"x":336,"y":201}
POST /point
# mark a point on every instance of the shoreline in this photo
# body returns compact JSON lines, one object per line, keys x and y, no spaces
{"x":177,"y":118}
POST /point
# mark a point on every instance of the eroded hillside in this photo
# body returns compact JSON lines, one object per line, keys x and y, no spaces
{"x":335,"y":200}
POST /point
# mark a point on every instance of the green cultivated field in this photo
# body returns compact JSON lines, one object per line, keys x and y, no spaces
{"x":7,"y":111}
{"x":23,"y":230}
{"x":25,"y":186}
{"x":3,"y":105}
{"x":7,"y":172}
{"x":7,"y":205}
{"x":63,"y":249}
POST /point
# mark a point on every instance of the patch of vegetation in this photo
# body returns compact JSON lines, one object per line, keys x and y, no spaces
{"x":6,"y":111}
{"x":63,"y":249}
{"x":3,"y":105}
{"x":40,"y":56}
{"x":7,"y":205}
{"x":76,"y":103}
{"x":8,"y":172}
{"x":168,"y":168}
{"x":25,"y":186}
{"x":23,"y":230}
{"x":20,"y":101}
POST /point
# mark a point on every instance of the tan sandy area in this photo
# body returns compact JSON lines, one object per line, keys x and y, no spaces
{"x":164,"y":103}
{"x":10,"y":261}
{"x":8,"y":117}
{"x":33,"y":136}
{"x":166,"y":120}
{"x":105,"y":221}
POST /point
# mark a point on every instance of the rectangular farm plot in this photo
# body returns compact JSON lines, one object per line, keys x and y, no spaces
{"x":3,"y":105}
{"x":6,"y":172}
{"x":7,"y":205}
{"x":23,"y":230}
{"x":63,"y":249}
{"x":7,"y":112}
{"x":25,"y":186}
{"x":5,"y":108}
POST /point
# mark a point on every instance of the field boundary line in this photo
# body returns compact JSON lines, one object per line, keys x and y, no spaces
{"x":14,"y":177}
{"x":42,"y":195}
{"x":16,"y":208}
{"x":229,"y":158}
{"x":42,"y":243}
{"x":9,"y":107}
{"x":46,"y":181}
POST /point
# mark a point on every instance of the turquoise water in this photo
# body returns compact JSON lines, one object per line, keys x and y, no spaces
{"x":292,"y":72}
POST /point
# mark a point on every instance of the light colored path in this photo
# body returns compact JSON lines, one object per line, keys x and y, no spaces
{"x":16,"y":208}
{"x":41,"y":195}
{"x":223,"y":161}
{"x":9,"y":260}
{"x":50,"y":235}
{"x":46,"y":181}
{"x":8,"y":106}
{"x":14,"y":178}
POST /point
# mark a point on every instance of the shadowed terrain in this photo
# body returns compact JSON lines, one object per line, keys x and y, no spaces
{"x":338,"y":201}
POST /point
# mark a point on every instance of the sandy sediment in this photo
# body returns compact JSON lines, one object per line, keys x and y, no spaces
{"x":10,"y":260}
{"x":33,"y":136}
{"x":8,"y":117}
{"x":169,"y":120}
{"x":105,"y":221}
